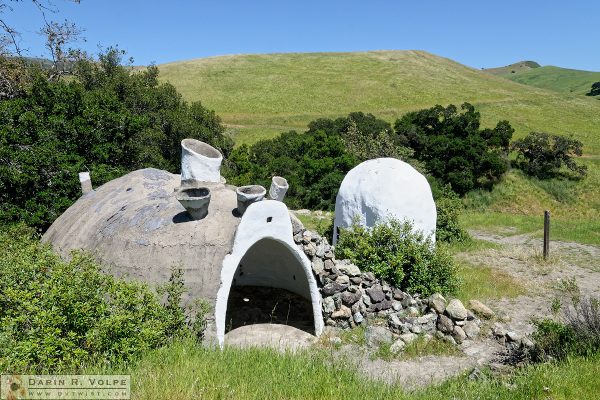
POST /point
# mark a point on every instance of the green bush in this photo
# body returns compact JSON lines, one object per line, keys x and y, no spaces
{"x":577,"y":334}
{"x":106,"y":120}
{"x":454,"y":148}
{"x":406,"y":259}
{"x":449,"y":205}
{"x":57,"y":315}
{"x":543,"y":155}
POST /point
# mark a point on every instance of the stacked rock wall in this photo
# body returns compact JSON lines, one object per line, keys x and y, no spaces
{"x":352,"y":297}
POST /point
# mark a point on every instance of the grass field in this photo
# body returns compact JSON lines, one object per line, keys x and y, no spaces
{"x":259,"y":96}
{"x":186,"y":371}
{"x":559,"y":79}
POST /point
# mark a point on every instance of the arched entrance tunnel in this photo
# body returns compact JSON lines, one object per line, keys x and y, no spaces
{"x":270,"y":286}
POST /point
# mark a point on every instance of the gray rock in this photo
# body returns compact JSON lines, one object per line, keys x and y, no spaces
{"x":471,"y":329}
{"x":396,"y":305}
{"x":359,"y":307}
{"x":376,"y":335}
{"x":408,"y":338}
{"x":398,"y":294}
{"x":356,"y":280}
{"x":349,"y":298}
{"x":369,"y":276}
{"x":425,"y":319}
{"x":394,"y":321}
{"x":328,"y":265}
{"x":343,"y":280}
{"x":417,"y":329}
{"x":332,"y":288}
{"x":397,"y":347}
{"x":449,"y":339}
{"x":376,"y":293}
{"x":438,"y":303}
{"x":366,"y":299}
{"x":343,"y":313}
{"x":459,"y":334}
{"x":412,"y":311}
{"x":444,"y":324}
{"x":382,"y":305}
{"x":406,"y":300}
{"x":328,"y":305}
{"x":349,"y":269}
{"x":320,"y":250}
{"x":309,"y":249}
{"x":456,"y":310}
{"x":358,"y":317}
{"x":514,"y":336}
{"x":318,"y":266}
{"x":498,"y":330}
{"x":481,"y":309}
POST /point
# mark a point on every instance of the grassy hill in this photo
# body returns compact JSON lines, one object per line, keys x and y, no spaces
{"x":559,"y":79}
{"x":517,"y":67}
{"x":259,"y":96}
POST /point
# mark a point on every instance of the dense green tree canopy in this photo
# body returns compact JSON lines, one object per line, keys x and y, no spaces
{"x":104,"y":119}
{"x":543,"y":155}
{"x":454,"y":148}
{"x":595,"y":90}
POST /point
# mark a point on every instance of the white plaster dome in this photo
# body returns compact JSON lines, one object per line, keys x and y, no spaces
{"x":378,"y":189}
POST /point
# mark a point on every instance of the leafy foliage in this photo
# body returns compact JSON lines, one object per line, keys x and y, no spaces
{"x":595,"y":90}
{"x":543,"y":155}
{"x":448,"y":205}
{"x":105,"y":120}
{"x":313,"y":163}
{"x":407,"y":259}
{"x":61,"y":315}
{"x":454,"y":148}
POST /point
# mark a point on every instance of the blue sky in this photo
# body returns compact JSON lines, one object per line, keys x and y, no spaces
{"x":476,"y":33}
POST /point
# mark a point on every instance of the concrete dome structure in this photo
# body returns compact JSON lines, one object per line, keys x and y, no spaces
{"x":137,"y":228}
{"x":378,"y":189}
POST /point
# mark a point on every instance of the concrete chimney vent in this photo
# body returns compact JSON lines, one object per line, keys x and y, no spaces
{"x":200,"y":161}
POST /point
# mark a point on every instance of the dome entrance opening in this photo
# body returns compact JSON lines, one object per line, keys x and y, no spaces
{"x":269,"y":287}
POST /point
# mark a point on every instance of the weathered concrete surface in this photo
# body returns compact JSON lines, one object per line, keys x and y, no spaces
{"x":378,"y":189}
{"x":280,"y":337}
{"x":136,"y":227}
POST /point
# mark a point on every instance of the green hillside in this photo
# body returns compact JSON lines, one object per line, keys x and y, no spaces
{"x":259,"y":96}
{"x":517,"y":67}
{"x":559,"y":79}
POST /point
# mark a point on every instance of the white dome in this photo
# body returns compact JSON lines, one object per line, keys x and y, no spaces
{"x":383,"y":188}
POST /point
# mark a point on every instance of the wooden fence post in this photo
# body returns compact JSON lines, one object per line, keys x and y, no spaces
{"x":546,"y":234}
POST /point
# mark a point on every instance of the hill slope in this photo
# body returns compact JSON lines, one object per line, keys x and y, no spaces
{"x":559,"y":79}
{"x":517,"y":67}
{"x":259,"y":96}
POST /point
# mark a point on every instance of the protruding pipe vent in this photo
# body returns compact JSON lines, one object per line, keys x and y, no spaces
{"x":279,"y":187}
{"x":195,"y":200}
{"x":247,"y":195}
{"x":86,"y":182}
{"x":200,"y":161}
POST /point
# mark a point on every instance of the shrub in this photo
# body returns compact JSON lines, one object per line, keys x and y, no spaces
{"x":448,"y":204}
{"x":577,"y":334}
{"x":454,"y":148}
{"x":406,"y":259}
{"x":104,"y":119}
{"x":543,"y":155}
{"x":57,"y":315}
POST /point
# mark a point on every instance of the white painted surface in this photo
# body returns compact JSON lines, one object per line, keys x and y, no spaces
{"x":277,"y":269}
{"x":86,"y":182}
{"x":200,"y":161}
{"x":279,"y":187}
{"x":378,"y":189}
